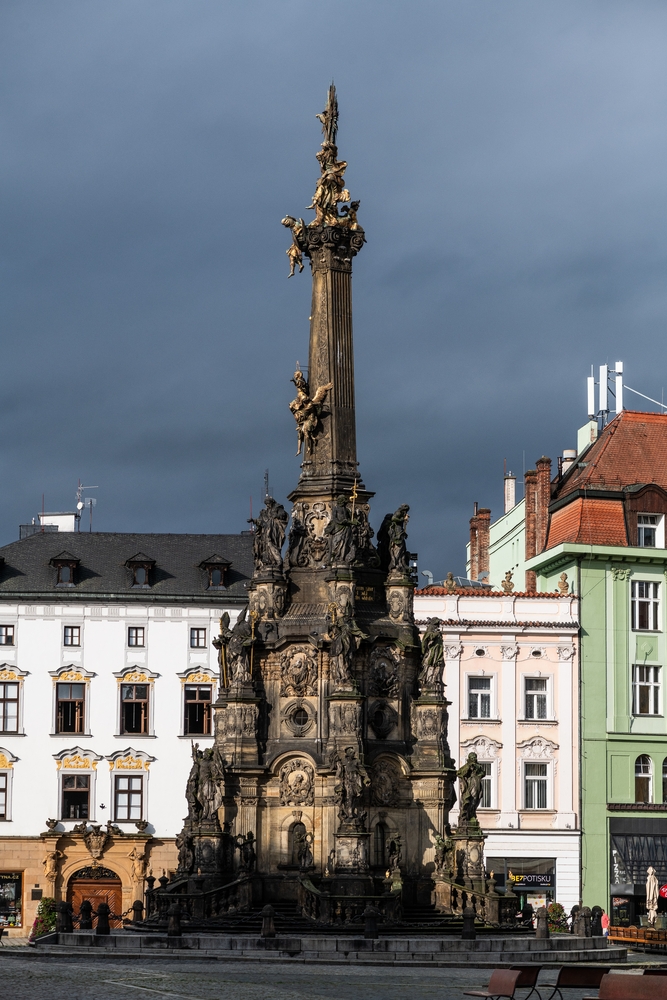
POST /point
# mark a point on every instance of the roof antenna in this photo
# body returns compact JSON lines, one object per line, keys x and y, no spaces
{"x":80,"y":504}
{"x":267,"y":494}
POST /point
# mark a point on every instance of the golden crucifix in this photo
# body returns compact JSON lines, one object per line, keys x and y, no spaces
{"x":353,"y":497}
{"x":254,"y":615}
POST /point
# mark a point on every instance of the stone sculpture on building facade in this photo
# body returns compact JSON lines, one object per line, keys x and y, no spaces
{"x":470,"y":788}
{"x":269,"y":535}
{"x":351,"y":780}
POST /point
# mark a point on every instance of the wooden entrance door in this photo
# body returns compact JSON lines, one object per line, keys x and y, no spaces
{"x":104,"y":887}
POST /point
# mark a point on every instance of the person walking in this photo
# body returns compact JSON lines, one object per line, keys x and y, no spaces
{"x":604,"y":920}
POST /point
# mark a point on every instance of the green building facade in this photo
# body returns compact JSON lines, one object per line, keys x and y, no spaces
{"x":598,"y":529}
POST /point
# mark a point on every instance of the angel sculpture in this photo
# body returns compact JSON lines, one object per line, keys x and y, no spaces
{"x":294,"y":252}
{"x":307,"y":411}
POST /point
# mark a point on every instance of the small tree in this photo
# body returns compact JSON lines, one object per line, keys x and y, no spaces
{"x":556,"y":918}
{"x":45,"y":921}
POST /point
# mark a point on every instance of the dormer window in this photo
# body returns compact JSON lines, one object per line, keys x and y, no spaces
{"x":650,"y":531}
{"x":216,"y":569}
{"x":66,"y":566}
{"x":141,"y":567}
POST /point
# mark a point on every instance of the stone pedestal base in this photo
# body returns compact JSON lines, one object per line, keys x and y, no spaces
{"x":469,"y":856}
{"x":352,"y":853}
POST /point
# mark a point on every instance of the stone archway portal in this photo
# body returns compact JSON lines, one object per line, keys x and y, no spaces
{"x":99,"y":885}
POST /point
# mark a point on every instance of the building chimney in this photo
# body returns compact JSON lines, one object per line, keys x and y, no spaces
{"x":543,"y":499}
{"x":510,"y":492}
{"x":480,"y":524}
{"x":569,"y":457}
{"x":531,"y":525}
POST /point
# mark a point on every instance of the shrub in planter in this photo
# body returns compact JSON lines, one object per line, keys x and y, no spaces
{"x":45,"y":921}
{"x":557,"y":918}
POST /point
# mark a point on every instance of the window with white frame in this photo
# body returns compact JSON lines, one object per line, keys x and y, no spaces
{"x":536,"y":785}
{"x":128,"y":796}
{"x":9,"y":707}
{"x":4,"y":795}
{"x":479,"y":697}
{"x":646,"y":690}
{"x":645,"y":606}
{"x":6,"y":635}
{"x":486,"y":801}
{"x":535,"y":697}
{"x":650,"y":531}
{"x":643,"y":778}
{"x":198,"y":638}
{"x":135,"y":636}
{"x":75,"y":799}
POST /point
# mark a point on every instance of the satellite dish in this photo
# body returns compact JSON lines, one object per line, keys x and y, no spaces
{"x":79,"y":506}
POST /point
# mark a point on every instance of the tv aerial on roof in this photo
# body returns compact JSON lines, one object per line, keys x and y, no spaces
{"x":87,"y":502}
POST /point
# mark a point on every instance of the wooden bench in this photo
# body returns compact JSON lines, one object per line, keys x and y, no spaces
{"x":502,"y":983}
{"x":528,"y":978}
{"x":576,"y":977}
{"x":622,"y":986}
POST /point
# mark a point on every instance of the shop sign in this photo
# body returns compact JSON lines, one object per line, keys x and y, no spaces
{"x":663,"y":891}
{"x":533,"y":882}
{"x":11,"y":897}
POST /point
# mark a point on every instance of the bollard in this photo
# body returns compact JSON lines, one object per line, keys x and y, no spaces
{"x":370,"y":916}
{"x":174,"y":925}
{"x":103,"y":911}
{"x":541,"y":923}
{"x":64,"y":917}
{"x":268,"y":923}
{"x":86,"y":916}
{"x":468,"y":933}
{"x":137,"y":911}
{"x":596,"y":921}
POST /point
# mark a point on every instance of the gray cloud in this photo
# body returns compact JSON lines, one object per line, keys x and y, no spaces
{"x":510,"y":162}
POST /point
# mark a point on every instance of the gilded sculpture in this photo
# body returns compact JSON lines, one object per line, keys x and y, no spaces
{"x":307,"y":411}
{"x":294,"y":253}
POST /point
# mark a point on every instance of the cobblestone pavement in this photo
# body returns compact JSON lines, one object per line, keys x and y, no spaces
{"x":61,"y":979}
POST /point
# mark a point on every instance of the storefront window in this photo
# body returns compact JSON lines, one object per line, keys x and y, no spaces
{"x":11,"y":899}
{"x":533,"y":879}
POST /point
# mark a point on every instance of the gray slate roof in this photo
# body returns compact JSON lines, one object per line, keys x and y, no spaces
{"x":102,"y":572}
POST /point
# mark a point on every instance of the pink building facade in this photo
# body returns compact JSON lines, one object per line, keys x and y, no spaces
{"x":512,"y":676}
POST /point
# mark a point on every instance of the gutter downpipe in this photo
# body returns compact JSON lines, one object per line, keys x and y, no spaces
{"x":581,"y":791}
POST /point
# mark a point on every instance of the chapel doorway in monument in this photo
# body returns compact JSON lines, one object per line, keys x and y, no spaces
{"x":99,"y":885}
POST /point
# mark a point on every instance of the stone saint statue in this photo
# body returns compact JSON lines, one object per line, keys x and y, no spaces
{"x":233,"y":646}
{"x":203,"y":791}
{"x":341,"y":534}
{"x":344,"y":637}
{"x":270,"y":526}
{"x":139,"y":865}
{"x":470,"y":788}
{"x":433,"y":658}
{"x":50,"y":863}
{"x":392,"y":538}
{"x":652,"y":891}
{"x":351,"y":780}
{"x":307,"y":412}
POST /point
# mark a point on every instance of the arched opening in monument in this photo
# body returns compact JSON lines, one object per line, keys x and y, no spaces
{"x":99,"y":885}
{"x":381,"y":840}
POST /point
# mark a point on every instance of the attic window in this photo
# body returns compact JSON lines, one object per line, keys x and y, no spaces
{"x":216,"y":569}
{"x":141,"y":567}
{"x":66,"y":566}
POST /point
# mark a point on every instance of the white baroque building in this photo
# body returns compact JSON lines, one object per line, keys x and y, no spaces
{"x":512,"y":676}
{"x":107,"y":674}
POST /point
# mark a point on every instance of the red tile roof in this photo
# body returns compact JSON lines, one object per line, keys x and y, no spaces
{"x":590,"y":521}
{"x":631,"y":449}
{"x":483,"y":592}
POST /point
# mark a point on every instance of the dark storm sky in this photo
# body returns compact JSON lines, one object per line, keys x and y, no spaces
{"x":510,"y":159}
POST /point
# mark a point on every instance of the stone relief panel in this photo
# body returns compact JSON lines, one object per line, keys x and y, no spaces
{"x":537,"y":748}
{"x":385,"y":783}
{"x":426,"y":722}
{"x":297,"y":783}
{"x":298,"y":672}
{"x":344,"y":718}
{"x":236,"y":720}
{"x":383,"y":678}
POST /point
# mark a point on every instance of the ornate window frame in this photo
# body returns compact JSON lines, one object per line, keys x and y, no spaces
{"x":492,"y":675}
{"x":131,"y":762}
{"x":76,"y":760}
{"x":71,"y":673}
{"x":537,"y":675}
{"x":197,"y":675}
{"x":11,"y":674}
{"x":537,"y":750}
{"x":136,"y":674}
{"x":7,"y":761}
